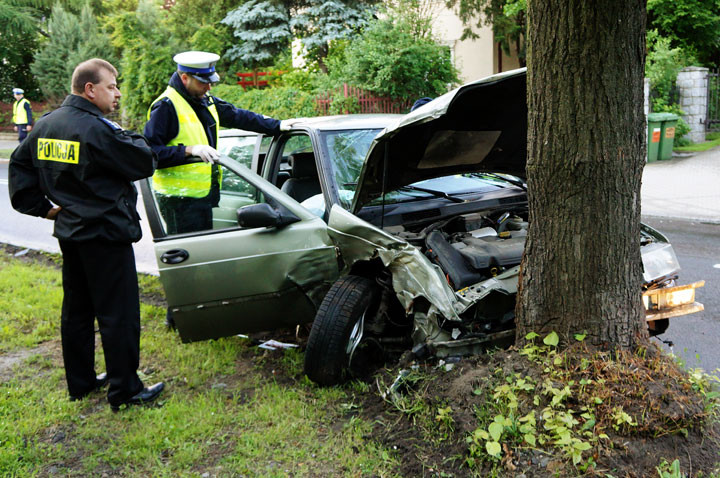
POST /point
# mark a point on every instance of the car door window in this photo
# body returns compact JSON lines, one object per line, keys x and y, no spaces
{"x":298,"y":143}
{"x":239,"y":148}
{"x":204,"y":198}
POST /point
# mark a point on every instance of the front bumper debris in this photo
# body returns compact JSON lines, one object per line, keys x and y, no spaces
{"x":671,"y":301}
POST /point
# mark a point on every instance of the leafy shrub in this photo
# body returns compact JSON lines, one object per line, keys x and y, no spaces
{"x":663,"y":64}
{"x":343,"y":105}
{"x":280,"y":102}
{"x":397,"y":58}
{"x":146,"y":64}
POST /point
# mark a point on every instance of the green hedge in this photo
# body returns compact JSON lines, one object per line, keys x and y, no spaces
{"x":278,"y":102}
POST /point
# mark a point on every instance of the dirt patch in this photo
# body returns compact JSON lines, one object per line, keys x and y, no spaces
{"x":9,"y":360}
{"x":671,"y":422}
{"x":31,"y":256}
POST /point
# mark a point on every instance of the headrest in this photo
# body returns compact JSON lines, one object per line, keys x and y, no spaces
{"x":303,"y":165}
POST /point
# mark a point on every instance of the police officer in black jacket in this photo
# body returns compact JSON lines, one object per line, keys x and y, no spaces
{"x":85,"y":165}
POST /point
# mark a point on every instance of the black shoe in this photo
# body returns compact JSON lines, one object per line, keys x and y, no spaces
{"x":100,"y":381}
{"x":169,"y":320}
{"x":146,"y":395}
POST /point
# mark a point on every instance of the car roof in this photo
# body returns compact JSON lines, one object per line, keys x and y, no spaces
{"x":352,"y":121}
{"x":235,"y":132}
{"x":330,"y":123}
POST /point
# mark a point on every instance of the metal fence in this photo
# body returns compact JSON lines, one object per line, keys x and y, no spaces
{"x":712,"y":121}
{"x":351,"y":99}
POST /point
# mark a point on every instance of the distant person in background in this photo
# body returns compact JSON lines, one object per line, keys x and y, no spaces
{"x":22,"y":114}
{"x":418,"y":103}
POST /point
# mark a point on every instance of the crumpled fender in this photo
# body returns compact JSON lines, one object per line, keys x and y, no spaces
{"x":413,"y":275}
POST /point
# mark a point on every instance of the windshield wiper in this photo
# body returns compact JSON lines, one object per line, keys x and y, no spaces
{"x":435,"y":193}
{"x":515,"y":182}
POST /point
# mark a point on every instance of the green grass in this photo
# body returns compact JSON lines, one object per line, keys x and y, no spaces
{"x":712,"y":140}
{"x":223,"y":412}
{"x":5,"y":153}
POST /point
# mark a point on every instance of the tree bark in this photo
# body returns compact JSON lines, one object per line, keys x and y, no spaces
{"x":582,"y":269}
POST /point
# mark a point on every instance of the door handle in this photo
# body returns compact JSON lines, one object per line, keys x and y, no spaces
{"x":174,"y":256}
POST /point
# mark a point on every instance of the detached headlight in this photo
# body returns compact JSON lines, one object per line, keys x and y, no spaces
{"x":658,"y":261}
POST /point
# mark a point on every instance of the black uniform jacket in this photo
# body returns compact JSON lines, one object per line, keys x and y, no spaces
{"x":163,"y":125}
{"x":86,"y":164}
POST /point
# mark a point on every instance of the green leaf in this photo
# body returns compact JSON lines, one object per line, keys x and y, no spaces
{"x":493,"y":448}
{"x":529,"y":439}
{"x":531,"y":336}
{"x":496,"y":430}
{"x":580,"y":337}
{"x":479,"y":433}
{"x":582,"y":445}
{"x":552,"y":339}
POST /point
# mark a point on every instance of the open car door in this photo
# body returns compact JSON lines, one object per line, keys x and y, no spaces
{"x":271,"y":272}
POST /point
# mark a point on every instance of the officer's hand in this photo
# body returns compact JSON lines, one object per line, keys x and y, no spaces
{"x":15,"y":128}
{"x":28,"y":127}
{"x":207,"y":153}
{"x":286,"y":125}
{"x":52,"y":213}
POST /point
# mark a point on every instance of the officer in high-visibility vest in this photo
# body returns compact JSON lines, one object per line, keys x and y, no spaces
{"x":22,"y":114}
{"x":183,"y":121}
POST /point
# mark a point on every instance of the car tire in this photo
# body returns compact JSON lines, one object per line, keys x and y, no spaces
{"x":338,"y":329}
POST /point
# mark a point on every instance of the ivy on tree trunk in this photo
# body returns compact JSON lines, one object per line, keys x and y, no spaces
{"x":582,"y":269}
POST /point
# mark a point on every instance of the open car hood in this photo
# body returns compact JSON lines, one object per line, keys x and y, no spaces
{"x":478,"y":127}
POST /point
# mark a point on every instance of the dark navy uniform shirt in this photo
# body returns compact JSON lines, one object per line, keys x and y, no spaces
{"x":86,"y":164}
{"x":163,"y":125}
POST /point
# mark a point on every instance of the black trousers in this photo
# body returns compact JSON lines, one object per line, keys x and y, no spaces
{"x":22,"y":132}
{"x":100,"y":281}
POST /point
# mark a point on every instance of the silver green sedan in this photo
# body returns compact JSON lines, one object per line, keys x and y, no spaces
{"x":391,"y":233}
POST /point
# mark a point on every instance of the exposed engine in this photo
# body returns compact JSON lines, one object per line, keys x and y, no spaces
{"x":472,"y":247}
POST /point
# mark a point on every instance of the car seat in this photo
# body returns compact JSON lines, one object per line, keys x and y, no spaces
{"x":303,"y":182}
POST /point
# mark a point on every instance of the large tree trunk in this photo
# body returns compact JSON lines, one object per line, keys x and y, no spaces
{"x":582,"y":270}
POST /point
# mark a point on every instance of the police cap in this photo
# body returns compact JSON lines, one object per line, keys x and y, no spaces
{"x":18,"y":91}
{"x":199,"y":64}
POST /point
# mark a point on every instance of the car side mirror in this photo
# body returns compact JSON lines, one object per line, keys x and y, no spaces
{"x":264,"y":215}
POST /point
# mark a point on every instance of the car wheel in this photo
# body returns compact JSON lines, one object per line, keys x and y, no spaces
{"x":339,"y":329}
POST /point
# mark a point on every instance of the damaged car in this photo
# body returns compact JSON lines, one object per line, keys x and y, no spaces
{"x":392,"y":234}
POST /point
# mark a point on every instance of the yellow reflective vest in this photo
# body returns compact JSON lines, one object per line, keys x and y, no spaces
{"x":20,"y":115}
{"x":188,"y":180}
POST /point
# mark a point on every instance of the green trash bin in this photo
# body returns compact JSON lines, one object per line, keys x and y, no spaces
{"x":667,"y":135}
{"x":655,"y":121}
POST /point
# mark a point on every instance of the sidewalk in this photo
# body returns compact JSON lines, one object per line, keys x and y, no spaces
{"x":683,"y":187}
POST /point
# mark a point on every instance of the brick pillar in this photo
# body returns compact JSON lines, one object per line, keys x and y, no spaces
{"x":692,"y":87}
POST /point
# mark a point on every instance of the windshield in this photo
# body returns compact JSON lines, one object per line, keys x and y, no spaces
{"x":347,"y":150}
{"x":453,"y":186}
